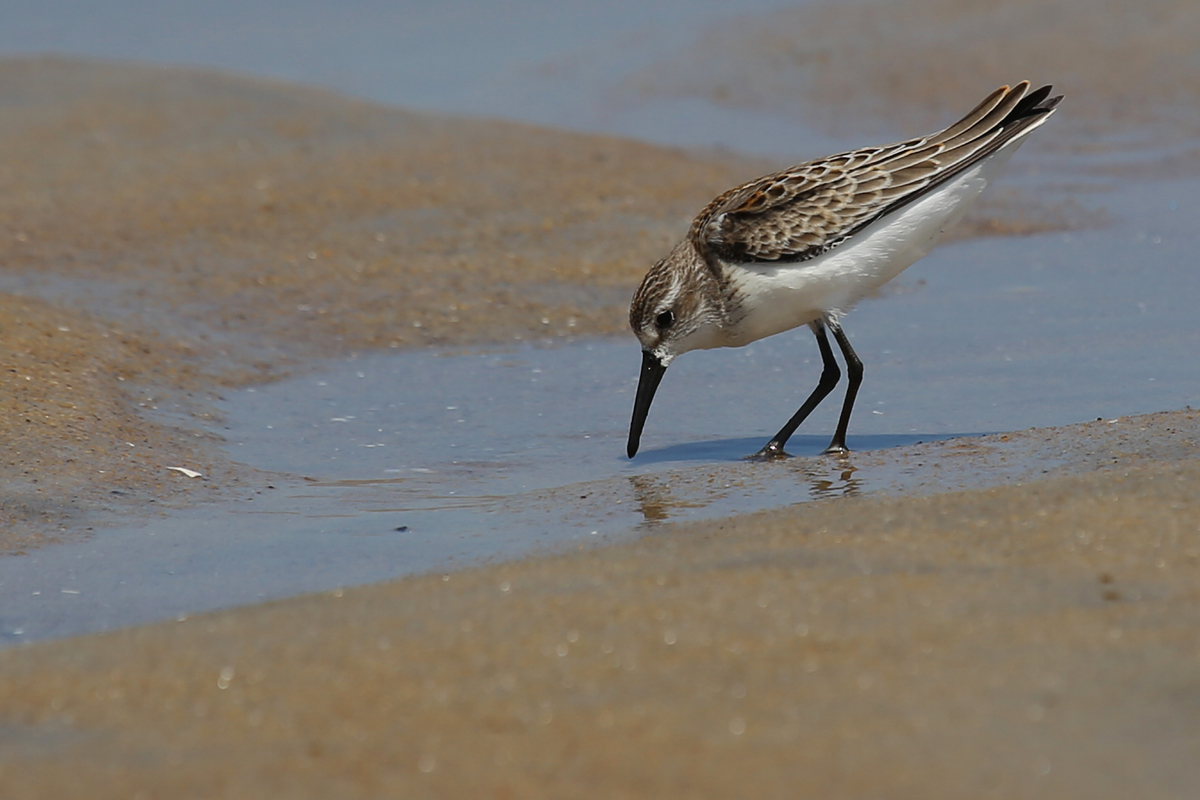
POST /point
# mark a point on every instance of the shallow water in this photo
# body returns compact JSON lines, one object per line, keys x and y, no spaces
{"x":414,"y":461}
{"x":542,"y":62}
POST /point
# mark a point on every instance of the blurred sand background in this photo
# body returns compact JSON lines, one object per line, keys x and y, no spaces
{"x":165,"y":233}
{"x":1130,"y":67}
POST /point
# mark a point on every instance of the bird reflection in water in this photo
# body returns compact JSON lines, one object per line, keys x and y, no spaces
{"x":824,"y":485}
{"x":660,"y":499}
{"x":654,"y":498}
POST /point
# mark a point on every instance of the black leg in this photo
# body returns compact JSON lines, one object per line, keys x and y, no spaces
{"x":830,"y":374}
{"x":854,"y":371}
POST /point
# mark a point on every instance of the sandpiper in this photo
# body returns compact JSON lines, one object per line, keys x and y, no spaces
{"x":802,"y":246}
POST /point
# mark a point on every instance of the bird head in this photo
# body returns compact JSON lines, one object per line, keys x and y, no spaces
{"x":677,"y":308}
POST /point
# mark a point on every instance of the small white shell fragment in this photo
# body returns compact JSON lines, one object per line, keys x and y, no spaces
{"x":191,"y":473}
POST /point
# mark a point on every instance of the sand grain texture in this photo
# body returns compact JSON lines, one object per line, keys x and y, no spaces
{"x":1032,"y":641}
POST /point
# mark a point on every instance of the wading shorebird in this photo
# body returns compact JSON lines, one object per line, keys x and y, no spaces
{"x":802,"y":246}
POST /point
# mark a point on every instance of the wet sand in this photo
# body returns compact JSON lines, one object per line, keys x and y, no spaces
{"x":1036,"y":640}
{"x":1030,"y":640}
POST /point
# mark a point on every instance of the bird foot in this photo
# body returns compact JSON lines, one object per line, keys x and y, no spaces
{"x":836,"y":450}
{"x":772,"y":452}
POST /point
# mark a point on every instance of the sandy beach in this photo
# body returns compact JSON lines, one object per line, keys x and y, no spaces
{"x":1035,"y":640}
{"x":169,"y":234}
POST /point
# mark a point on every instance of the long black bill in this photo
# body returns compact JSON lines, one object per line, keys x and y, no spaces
{"x":651,"y":375}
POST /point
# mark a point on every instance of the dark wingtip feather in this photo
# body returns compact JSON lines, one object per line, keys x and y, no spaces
{"x":1051,"y":104}
{"x":1035,"y":103}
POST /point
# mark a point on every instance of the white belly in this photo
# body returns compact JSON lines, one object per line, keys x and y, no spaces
{"x":779,"y":297}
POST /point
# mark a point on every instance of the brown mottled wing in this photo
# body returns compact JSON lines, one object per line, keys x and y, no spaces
{"x":801,"y":212}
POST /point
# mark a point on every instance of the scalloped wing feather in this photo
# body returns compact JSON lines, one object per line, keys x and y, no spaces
{"x":805,"y":210}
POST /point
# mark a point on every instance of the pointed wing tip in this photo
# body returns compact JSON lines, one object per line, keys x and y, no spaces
{"x":1050,"y":103}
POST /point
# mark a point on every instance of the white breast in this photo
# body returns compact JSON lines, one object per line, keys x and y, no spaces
{"x":779,"y":297}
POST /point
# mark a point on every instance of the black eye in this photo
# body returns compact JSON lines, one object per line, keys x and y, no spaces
{"x":665,"y":320}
